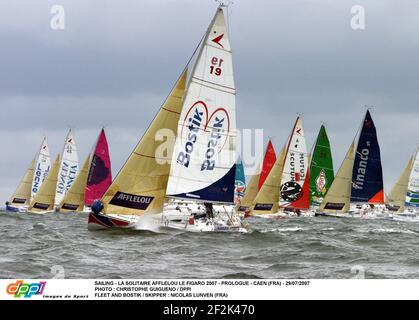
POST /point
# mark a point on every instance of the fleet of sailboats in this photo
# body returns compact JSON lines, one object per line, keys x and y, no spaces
{"x":192,"y":178}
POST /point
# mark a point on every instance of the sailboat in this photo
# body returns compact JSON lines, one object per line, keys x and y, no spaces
{"x":92,"y":181}
{"x":44,"y":200}
{"x":412,"y":194}
{"x":402,"y":200}
{"x":257,"y":180}
{"x":321,"y":169}
{"x":31,"y":182}
{"x":201,"y":168}
{"x":295,"y":180}
{"x":266,"y":201}
{"x":359,"y":180}
{"x":69,"y":168}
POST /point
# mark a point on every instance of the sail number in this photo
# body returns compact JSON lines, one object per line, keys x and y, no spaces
{"x":215,"y":67}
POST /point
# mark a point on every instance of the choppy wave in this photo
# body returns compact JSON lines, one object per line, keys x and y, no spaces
{"x":36,"y":246}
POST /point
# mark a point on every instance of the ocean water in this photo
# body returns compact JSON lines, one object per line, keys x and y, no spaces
{"x":59,"y":245}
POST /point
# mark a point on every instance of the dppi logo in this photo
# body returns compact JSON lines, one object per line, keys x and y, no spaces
{"x":27,"y":290}
{"x":197,"y":119}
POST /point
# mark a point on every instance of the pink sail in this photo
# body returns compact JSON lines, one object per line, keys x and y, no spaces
{"x":100,"y":173}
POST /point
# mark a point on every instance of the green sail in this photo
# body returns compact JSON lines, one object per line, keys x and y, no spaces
{"x":321,"y":168}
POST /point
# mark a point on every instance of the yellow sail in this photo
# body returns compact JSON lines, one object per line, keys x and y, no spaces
{"x":44,"y":199}
{"x":140,"y":186}
{"x":338,"y":197}
{"x":397,"y":195}
{"x":267,"y":199}
{"x":74,"y":198}
{"x":23,"y":193}
{"x":251,"y":191}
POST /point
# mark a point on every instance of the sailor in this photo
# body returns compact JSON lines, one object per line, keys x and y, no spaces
{"x":247,"y":213}
{"x":191,"y":220}
{"x":209,"y":210}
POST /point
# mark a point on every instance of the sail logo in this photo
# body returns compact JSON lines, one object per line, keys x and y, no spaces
{"x":197,"y":122}
{"x":220,"y":127}
{"x":131,"y":201}
{"x":67,"y":177}
{"x":21,"y":289}
{"x":38,"y":178}
{"x":321,"y":182}
{"x":194,"y":121}
{"x":218,"y":39}
{"x":362,"y":168}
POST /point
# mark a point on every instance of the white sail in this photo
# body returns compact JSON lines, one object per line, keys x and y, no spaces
{"x":42,"y":167}
{"x":203,"y":164}
{"x":295,"y":170}
{"x":412,"y":195}
{"x":69,"y":168}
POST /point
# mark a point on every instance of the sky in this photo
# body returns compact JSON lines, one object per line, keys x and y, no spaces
{"x":115,"y":62}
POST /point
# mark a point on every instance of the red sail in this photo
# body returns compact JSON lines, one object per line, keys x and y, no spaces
{"x":100,"y":173}
{"x":268,"y":163}
{"x":304,"y":202}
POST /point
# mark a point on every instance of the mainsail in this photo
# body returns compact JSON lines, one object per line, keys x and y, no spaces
{"x":267,"y":199}
{"x":44,"y":199}
{"x":397,"y":196}
{"x":294,"y":190}
{"x":321,"y":168}
{"x":42,"y":167}
{"x":141,"y":184}
{"x":251,"y":191}
{"x":412,"y":195}
{"x":23,"y":193}
{"x":100,"y":172}
{"x":74,"y":199}
{"x":367,"y":173}
{"x":203,"y":164}
{"x":240,"y":183}
{"x":68,"y":169}
{"x":268,"y":163}
{"x":338,"y":197}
